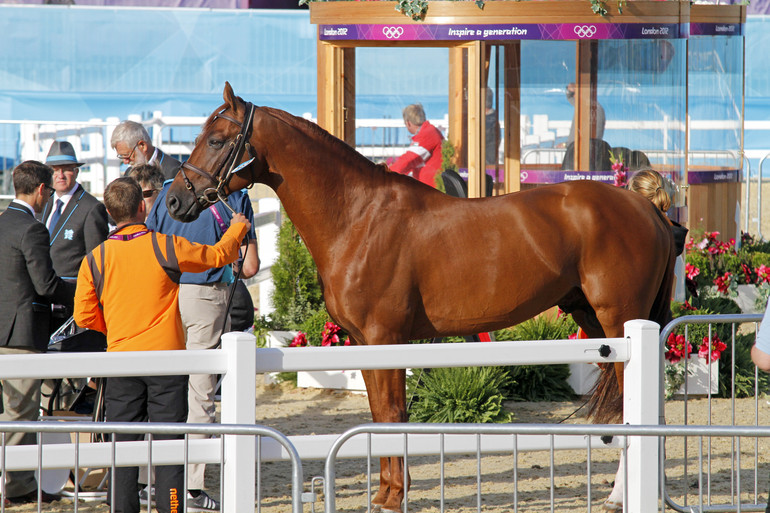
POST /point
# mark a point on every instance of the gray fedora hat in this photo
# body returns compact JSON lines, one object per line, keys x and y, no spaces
{"x":62,"y":154}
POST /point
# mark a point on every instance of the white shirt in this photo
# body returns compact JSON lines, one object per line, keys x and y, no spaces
{"x":25,"y":204}
{"x":65,"y":198}
{"x":154,"y":158}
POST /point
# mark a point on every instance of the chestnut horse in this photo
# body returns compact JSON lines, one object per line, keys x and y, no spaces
{"x":398,"y":260}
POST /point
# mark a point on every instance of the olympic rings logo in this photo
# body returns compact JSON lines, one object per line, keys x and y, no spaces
{"x":585,"y":30}
{"x":392,"y":32}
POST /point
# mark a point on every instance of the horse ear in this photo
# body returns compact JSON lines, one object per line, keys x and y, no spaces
{"x":229,"y":95}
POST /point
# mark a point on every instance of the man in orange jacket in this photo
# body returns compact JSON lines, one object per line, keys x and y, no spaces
{"x":128,"y":289}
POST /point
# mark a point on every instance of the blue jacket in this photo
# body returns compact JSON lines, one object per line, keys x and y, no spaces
{"x":204,"y":230}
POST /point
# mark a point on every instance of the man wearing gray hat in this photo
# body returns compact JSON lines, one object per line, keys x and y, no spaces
{"x":76,"y":221}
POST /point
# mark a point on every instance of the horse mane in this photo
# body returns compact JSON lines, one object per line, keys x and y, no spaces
{"x":335,"y":145}
{"x":347,"y":153}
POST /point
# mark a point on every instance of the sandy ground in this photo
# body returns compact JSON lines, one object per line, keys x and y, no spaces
{"x":308,"y":411}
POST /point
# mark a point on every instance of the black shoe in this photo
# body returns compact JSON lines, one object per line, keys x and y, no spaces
{"x":45,"y":498}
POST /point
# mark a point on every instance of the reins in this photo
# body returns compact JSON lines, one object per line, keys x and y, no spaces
{"x":231,"y":162}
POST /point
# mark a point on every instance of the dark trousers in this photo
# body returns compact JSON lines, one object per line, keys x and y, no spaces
{"x":142,"y":399}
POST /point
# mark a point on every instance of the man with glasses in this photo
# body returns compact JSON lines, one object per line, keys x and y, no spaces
{"x":76,"y":221}
{"x":134,"y":147}
{"x":29,"y":283}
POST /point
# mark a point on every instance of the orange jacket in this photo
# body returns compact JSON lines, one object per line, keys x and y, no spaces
{"x":139,"y":307}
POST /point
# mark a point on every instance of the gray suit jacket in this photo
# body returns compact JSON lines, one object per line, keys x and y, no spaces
{"x":27,"y":280}
{"x":169,"y":166}
{"x":81,"y":227}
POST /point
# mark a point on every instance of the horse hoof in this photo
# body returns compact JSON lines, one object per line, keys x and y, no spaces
{"x":612,"y":506}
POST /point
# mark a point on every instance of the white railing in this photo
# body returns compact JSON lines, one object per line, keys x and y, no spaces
{"x":240,"y":361}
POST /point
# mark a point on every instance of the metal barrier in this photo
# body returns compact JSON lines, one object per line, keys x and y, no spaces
{"x":735,"y":454}
{"x":77,"y":455}
{"x":413,"y":438}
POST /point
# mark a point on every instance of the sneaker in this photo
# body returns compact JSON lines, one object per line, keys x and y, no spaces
{"x":143,"y":495}
{"x":201,"y":503}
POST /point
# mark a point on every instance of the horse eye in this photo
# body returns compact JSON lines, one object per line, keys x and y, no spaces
{"x":216,"y":143}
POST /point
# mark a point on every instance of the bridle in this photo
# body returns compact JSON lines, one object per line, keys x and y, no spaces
{"x":232,"y":162}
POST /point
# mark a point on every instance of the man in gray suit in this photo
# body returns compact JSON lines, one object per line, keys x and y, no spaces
{"x":134,"y":147}
{"x":76,"y":221}
{"x":29,"y":284}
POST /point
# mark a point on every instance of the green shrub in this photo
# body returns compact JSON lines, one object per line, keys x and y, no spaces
{"x":458,"y":394}
{"x":297,"y":294}
{"x":539,"y":382}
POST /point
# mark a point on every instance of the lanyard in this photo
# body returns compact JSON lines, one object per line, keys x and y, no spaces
{"x":218,"y":217}
{"x":130,"y":236}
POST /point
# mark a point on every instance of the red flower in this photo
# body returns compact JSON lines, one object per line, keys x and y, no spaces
{"x":688,"y":306}
{"x":763,"y":274}
{"x":573,"y":336}
{"x":329,"y":336}
{"x":747,"y":274}
{"x":691,"y":271}
{"x":723,"y":282}
{"x":300,"y":340}
{"x":678,"y":348}
{"x":711,"y":352}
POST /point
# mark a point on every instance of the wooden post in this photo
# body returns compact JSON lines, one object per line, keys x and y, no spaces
{"x":476,"y":124}
{"x":585,"y":101}
{"x":336,"y":90}
{"x":457,"y":107}
{"x":512,"y":117}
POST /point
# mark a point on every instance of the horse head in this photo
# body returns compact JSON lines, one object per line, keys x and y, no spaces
{"x":222,"y":161}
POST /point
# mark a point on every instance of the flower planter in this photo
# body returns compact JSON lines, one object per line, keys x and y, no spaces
{"x":582,"y":377}
{"x":335,"y":380}
{"x":747,"y":299}
{"x":698,"y":380}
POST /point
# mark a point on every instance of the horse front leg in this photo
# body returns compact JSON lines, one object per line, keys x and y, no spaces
{"x":386,"y":390}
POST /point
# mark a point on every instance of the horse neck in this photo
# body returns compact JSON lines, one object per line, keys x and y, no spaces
{"x":321,"y":187}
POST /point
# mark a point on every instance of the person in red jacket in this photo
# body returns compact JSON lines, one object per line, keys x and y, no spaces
{"x":423,"y":158}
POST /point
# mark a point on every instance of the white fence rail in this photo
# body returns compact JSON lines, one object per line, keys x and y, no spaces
{"x":240,"y":362}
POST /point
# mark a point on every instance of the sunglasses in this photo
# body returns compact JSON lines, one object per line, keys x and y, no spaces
{"x":50,"y":189}
{"x":147,"y":193}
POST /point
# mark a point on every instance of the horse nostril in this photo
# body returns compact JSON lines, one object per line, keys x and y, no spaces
{"x":172,"y":203}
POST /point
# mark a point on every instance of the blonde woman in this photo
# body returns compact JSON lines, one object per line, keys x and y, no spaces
{"x":650,"y":184}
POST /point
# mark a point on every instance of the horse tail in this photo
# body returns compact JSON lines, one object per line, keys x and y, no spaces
{"x":605,"y":406}
{"x":606,"y":403}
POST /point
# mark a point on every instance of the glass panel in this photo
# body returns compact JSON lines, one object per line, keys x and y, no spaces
{"x":494,"y":122}
{"x":547,"y":67}
{"x":715,"y":99}
{"x":381,"y":97}
{"x":642,"y":85}
{"x":638,"y":112}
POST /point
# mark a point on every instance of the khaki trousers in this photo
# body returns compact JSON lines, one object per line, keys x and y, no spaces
{"x":203,"y":309}
{"x":21,"y":402}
